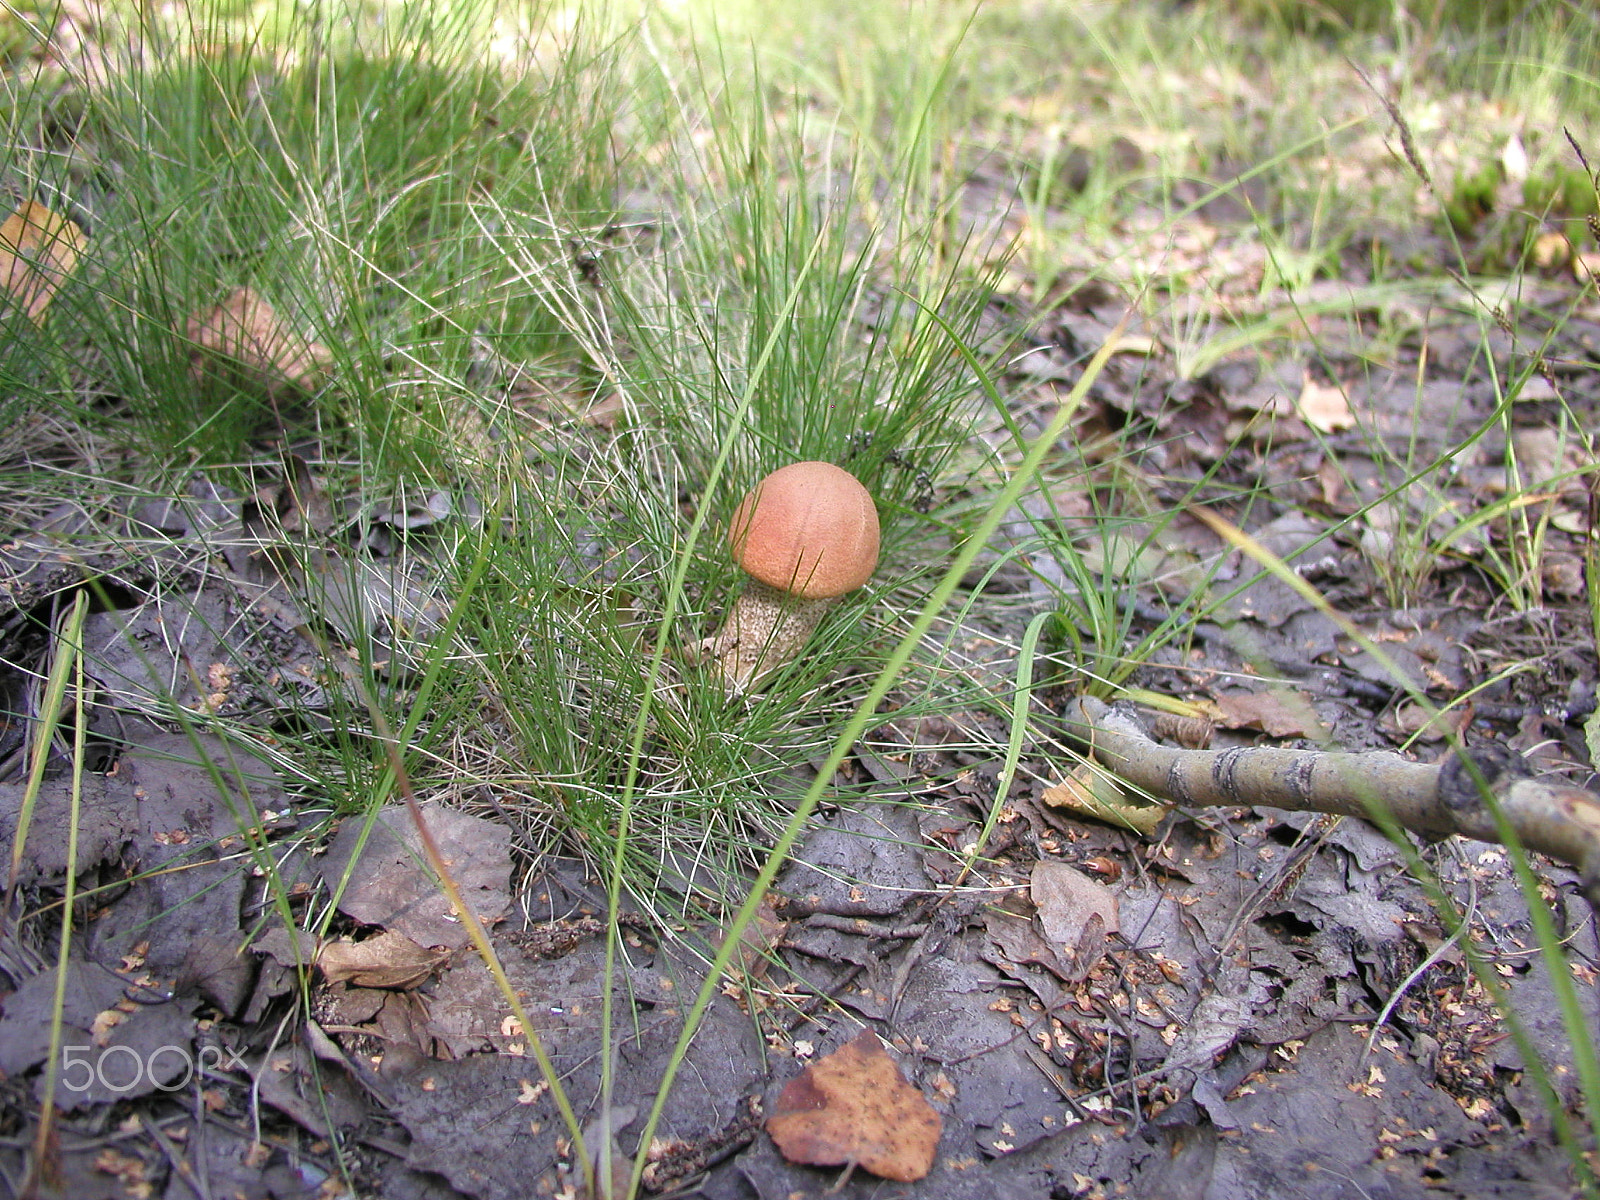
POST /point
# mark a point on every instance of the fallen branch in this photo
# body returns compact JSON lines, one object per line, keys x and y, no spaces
{"x":1435,"y":800}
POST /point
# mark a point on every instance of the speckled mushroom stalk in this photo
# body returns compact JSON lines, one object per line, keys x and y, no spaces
{"x":807,"y":534}
{"x":766,"y":628}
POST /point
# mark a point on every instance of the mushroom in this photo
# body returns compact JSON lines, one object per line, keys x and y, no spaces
{"x":806,"y":535}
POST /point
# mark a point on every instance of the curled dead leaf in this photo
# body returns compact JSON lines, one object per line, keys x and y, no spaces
{"x":389,"y":960}
{"x":854,"y":1108}
{"x":1192,"y":733}
{"x":1094,"y":794}
{"x":1104,"y":866}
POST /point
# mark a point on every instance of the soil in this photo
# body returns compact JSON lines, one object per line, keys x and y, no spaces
{"x":1244,"y":1002}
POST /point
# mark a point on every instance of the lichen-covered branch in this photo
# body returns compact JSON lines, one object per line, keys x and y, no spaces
{"x":1433,"y":800}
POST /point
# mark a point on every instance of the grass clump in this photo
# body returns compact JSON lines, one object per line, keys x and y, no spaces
{"x":332,"y":175}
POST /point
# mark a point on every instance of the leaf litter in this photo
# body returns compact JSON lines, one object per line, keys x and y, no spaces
{"x":1189,"y":1021}
{"x":1207,"y":1021}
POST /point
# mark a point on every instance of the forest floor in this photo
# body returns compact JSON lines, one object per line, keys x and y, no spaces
{"x":268,"y":993}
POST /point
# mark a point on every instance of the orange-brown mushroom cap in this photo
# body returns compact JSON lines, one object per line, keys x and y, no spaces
{"x":809,"y":528}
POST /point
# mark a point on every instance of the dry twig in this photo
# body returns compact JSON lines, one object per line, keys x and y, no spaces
{"x":1435,"y":800}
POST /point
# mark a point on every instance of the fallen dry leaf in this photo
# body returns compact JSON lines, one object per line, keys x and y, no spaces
{"x":1277,"y":713}
{"x":288,"y":948}
{"x":246,"y":333}
{"x":390,"y":884}
{"x":758,"y":939}
{"x":549,"y":405}
{"x":1412,"y":720}
{"x":1551,"y":250}
{"x":38,"y":249}
{"x":389,"y":960}
{"x":854,"y":1107}
{"x":1191,"y":732}
{"x":1075,"y":912}
{"x":1548,"y":460}
{"x":1015,"y":943}
{"x":1092,"y":793}
{"x":1324,"y":406}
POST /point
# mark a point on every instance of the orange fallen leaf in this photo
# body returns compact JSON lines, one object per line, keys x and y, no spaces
{"x":245,"y":332}
{"x":854,"y":1107}
{"x":38,"y":249}
{"x":1094,"y":794}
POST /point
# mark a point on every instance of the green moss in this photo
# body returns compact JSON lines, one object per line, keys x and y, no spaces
{"x":1472,"y":198}
{"x":1562,"y":191}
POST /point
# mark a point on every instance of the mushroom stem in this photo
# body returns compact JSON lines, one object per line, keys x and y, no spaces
{"x":766,"y":627}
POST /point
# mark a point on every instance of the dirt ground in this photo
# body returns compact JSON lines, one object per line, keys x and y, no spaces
{"x":1247,"y":1002}
{"x":1240,"y":1003}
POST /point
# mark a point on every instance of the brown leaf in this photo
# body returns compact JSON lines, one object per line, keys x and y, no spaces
{"x":758,"y":939}
{"x":1277,"y":713}
{"x":1412,"y":720}
{"x":217,"y":968}
{"x":389,"y":960}
{"x":855,"y":1107}
{"x":288,"y":947}
{"x":38,"y":249}
{"x":1067,"y":899}
{"x":1548,"y":460}
{"x":402,"y":1020}
{"x":391,"y":885}
{"x":1015,"y":943}
{"x":1190,"y":732}
{"x":1324,"y":406}
{"x":552,"y":403}
{"x":246,"y":333}
{"x":1550,"y":250}
{"x":1092,"y":793}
